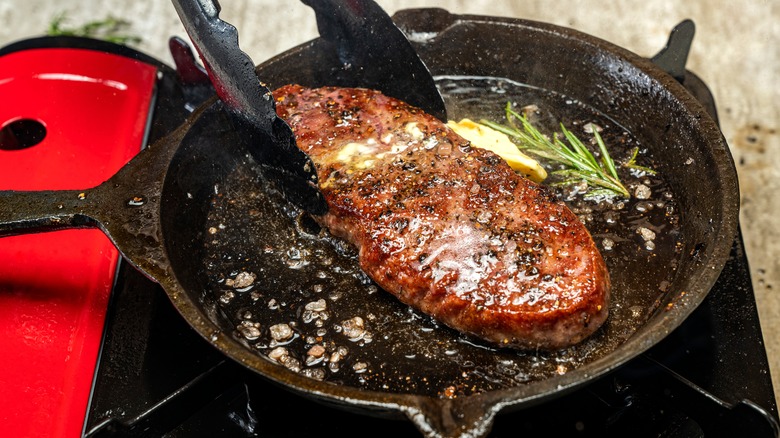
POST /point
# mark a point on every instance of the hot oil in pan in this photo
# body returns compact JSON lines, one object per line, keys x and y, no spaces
{"x":298,"y":297}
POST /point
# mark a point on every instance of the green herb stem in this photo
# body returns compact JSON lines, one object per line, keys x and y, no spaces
{"x":567,"y":149}
{"x":109,"y":29}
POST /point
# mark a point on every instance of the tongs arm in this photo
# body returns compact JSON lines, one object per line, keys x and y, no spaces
{"x":375,"y":53}
{"x":232,"y":73}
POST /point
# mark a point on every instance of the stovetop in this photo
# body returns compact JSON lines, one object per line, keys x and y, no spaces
{"x":709,"y":378}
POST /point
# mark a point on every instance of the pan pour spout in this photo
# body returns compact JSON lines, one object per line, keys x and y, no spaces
{"x":233,"y":75}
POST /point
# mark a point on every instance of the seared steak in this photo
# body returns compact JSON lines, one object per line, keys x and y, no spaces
{"x":448,"y":229}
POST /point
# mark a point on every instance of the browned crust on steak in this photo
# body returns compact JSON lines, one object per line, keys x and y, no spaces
{"x":448,"y":229}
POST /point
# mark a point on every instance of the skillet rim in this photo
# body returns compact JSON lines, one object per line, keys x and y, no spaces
{"x":494,"y":401}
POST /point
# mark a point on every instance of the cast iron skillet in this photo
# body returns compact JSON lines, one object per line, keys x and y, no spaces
{"x":156,"y":209}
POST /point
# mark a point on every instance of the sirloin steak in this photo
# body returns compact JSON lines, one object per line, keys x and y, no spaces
{"x":447,"y":228}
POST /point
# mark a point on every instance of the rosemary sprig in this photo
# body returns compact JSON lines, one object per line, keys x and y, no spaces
{"x":631,"y":163}
{"x":581,"y":164}
{"x":110,"y":29}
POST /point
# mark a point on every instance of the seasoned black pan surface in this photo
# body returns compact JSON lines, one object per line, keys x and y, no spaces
{"x":264,"y":274}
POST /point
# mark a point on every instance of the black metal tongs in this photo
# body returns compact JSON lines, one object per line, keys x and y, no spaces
{"x":373,"y":52}
{"x":232,"y":73}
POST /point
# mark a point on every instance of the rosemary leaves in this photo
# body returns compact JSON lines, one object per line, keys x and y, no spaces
{"x":567,"y":149}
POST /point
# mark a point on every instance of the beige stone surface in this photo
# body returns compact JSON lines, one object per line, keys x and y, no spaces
{"x":735,"y":51}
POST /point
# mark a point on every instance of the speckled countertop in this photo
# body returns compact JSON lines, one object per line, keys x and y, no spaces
{"x":735,"y":52}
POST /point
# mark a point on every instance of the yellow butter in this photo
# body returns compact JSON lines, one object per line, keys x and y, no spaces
{"x":484,"y":137}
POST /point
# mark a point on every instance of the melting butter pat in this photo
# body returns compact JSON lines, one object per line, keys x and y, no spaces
{"x":484,"y":137}
{"x":358,"y":155}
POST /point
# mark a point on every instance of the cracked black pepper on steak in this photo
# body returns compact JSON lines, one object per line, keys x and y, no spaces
{"x":448,"y":229}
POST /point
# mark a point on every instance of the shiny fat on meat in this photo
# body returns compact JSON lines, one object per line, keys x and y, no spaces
{"x":447,"y":228}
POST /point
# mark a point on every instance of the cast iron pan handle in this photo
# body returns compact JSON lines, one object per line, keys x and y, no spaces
{"x":122,"y":218}
{"x":34,"y":212}
{"x":126,"y":208}
{"x":673,"y":57}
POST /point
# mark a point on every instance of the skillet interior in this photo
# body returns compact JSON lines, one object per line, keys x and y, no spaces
{"x":686,"y":146}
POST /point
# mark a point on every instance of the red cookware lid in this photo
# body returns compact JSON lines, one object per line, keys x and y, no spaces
{"x":70,"y":119}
